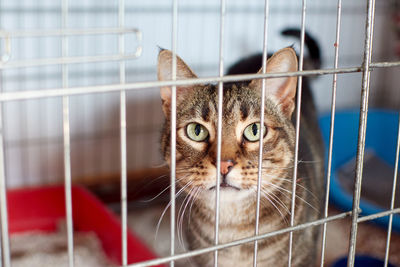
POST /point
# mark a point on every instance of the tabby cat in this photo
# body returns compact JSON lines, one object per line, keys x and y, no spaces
{"x":196,"y":149}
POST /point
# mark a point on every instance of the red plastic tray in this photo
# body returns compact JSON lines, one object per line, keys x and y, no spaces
{"x":42,"y":208}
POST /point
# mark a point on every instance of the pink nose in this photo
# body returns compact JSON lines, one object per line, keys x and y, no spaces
{"x":226,"y":166}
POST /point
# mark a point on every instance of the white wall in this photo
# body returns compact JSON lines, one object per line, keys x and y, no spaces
{"x":33,"y":129}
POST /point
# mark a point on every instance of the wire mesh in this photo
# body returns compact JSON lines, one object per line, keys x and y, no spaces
{"x":66,"y":91}
{"x":362,"y":130}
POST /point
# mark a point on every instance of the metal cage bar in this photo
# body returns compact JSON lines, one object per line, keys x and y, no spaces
{"x":219,"y":128}
{"x":332,"y":126}
{"x":377,"y":215}
{"x":67,"y":140}
{"x":67,"y":60}
{"x":64,"y":32}
{"x":80,"y":90}
{"x":174,"y":41}
{"x":362,"y":130}
{"x":124,"y":195}
{"x":5,"y":241}
{"x":5,"y":62}
{"x":297,"y":140}
{"x":261,"y":147}
{"x":396,"y":169}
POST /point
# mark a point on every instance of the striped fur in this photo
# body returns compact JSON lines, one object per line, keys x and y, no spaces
{"x":196,"y":166}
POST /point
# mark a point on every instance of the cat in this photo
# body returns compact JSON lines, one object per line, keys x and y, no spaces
{"x":196,"y":149}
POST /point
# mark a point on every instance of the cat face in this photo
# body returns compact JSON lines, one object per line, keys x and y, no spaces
{"x":196,"y":128}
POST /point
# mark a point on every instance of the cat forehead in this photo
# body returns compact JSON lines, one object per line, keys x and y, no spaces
{"x":239,"y":102}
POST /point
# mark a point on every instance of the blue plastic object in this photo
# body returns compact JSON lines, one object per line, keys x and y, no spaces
{"x":362,"y":261}
{"x":381,"y":137}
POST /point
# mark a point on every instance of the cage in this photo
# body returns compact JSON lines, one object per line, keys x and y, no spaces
{"x":80,"y":105}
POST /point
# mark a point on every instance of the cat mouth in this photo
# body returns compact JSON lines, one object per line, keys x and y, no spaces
{"x":225,"y":185}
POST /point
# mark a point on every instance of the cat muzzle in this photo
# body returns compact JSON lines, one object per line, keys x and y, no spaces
{"x":225,"y":185}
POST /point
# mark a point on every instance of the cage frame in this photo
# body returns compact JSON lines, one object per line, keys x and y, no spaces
{"x":66,"y":91}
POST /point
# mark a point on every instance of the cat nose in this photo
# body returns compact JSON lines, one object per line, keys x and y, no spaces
{"x":226,"y":166}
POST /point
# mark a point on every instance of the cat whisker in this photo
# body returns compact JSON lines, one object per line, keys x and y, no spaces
{"x":196,"y":194}
{"x":187,"y":202}
{"x":181,"y":215}
{"x":298,"y":184}
{"x":159,"y":194}
{"x":306,"y":161}
{"x":166,"y":208}
{"x":276,"y":168}
{"x":309,"y":161}
{"x":186,"y":171}
{"x":268,"y":201}
{"x":164,"y":164}
{"x":278,"y":201}
{"x":284,"y":190}
{"x":146,"y":185}
{"x":184,"y":168}
{"x":267,"y":196}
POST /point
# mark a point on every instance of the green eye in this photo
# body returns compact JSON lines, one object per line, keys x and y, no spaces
{"x":252,"y":132}
{"x":196,"y":132}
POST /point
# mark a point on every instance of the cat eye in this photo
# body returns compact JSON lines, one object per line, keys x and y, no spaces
{"x":196,"y":132}
{"x":252,"y":132}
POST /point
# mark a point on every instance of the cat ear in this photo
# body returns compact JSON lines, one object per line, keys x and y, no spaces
{"x":164,"y":72}
{"x":282,"y":90}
